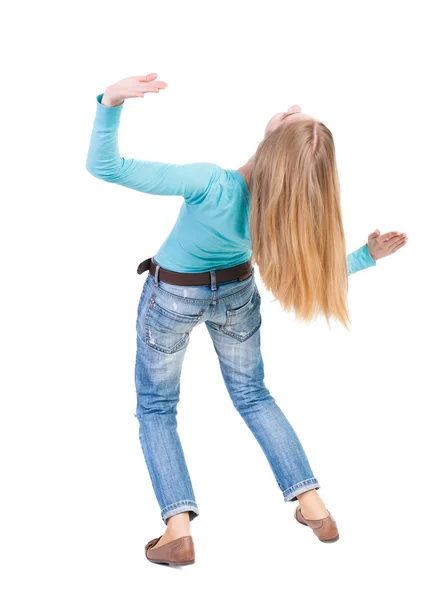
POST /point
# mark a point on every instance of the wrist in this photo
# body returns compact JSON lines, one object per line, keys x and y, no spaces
{"x":369,"y":252}
{"x":110,"y":99}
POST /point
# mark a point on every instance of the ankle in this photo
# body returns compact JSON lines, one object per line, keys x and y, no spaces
{"x":311,"y":505}
{"x":179,"y":525}
{"x":314,"y":514}
{"x":174,"y":533}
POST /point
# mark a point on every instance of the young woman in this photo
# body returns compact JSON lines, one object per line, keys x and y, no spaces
{"x":281,"y":211}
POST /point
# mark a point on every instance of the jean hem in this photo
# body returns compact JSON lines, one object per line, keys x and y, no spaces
{"x":178,"y":507}
{"x":290,"y":494}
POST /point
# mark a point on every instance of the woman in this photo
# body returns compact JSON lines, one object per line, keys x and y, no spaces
{"x":282,"y":211}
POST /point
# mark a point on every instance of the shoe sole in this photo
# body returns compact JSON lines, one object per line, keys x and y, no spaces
{"x":335,"y":539}
{"x":171,"y":564}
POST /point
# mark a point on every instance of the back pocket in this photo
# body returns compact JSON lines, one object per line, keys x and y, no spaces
{"x":243,"y":321}
{"x":168,"y":331}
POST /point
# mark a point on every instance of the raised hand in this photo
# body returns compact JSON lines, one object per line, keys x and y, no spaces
{"x":380,"y":246}
{"x":132,"y":87}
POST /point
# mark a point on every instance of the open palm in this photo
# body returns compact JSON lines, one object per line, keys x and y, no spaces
{"x":132,"y":87}
{"x":380,"y":246}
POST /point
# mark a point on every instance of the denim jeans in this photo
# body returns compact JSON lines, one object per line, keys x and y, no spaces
{"x":166,"y":315}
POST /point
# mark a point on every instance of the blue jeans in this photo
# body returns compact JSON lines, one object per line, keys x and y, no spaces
{"x":166,"y":315}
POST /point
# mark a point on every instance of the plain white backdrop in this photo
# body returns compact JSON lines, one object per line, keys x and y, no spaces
{"x":77,"y":505}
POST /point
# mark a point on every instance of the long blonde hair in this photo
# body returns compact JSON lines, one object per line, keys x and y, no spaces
{"x":296,"y":229}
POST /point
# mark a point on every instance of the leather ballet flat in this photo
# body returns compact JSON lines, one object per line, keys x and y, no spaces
{"x":325,"y":529}
{"x":177,"y":553}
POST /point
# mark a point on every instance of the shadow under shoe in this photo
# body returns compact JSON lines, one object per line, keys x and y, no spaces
{"x":177,"y":553}
{"x":325,"y":529}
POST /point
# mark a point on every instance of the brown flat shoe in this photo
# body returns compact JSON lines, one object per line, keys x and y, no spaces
{"x":177,"y":553}
{"x":325,"y":529}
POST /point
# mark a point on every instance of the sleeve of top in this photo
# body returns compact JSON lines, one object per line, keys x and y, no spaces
{"x":359,"y":259}
{"x":192,"y":181}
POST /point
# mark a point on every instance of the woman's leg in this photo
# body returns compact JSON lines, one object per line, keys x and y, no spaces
{"x":161,"y":347}
{"x":235,"y":332}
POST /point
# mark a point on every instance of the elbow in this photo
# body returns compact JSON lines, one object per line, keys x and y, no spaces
{"x":96,"y":172}
{"x":102,"y":169}
{"x":91,"y":168}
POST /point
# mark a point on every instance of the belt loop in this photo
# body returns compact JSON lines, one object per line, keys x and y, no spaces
{"x":213,"y":280}
{"x":156,"y":276}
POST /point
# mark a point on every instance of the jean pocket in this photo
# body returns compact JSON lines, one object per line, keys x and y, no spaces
{"x":165,"y":330}
{"x":242,"y":321}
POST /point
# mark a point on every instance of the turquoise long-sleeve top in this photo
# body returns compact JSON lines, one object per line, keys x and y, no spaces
{"x":212,"y":229}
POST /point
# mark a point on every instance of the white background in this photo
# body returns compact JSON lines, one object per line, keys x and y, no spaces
{"x":77,"y":505}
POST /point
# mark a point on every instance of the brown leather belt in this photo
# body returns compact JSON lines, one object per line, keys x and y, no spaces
{"x":240,"y":272}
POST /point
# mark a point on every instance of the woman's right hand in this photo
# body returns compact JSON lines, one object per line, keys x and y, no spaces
{"x":380,"y":246}
{"x":131,"y":87}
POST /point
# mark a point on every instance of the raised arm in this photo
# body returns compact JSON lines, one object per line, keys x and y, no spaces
{"x":378,"y":246}
{"x":104,"y":161}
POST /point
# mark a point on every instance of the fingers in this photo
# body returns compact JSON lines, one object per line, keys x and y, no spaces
{"x":397,"y":245}
{"x":387,"y":236}
{"x":152,"y":87}
{"x":394,"y":239}
{"x":376,"y":233}
{"x":148,"y":77}
{"x":395,"y":242}
{"x":155,"y":84}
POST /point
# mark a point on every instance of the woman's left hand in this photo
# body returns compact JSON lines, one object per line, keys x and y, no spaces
{"x":380,"y":246}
